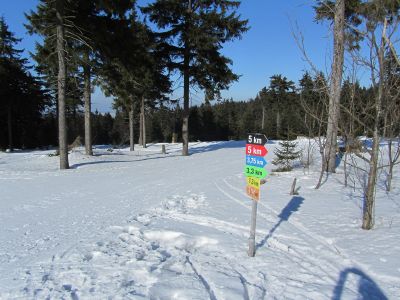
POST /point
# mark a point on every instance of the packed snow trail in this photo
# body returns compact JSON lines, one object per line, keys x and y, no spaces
{"x":144,"y":225}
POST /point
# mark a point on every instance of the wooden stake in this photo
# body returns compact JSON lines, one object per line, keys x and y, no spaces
{"x":252,"y":239}
{"x":293,"y":189}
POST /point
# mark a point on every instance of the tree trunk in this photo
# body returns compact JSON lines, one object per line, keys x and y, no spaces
{"x":61,"y":79}
{"x":87,"y":96}
{"x":323,"y":171}
{"x":131,"y":128}
{"x":186,"y":87}
{"x":10,"y":132}
{"x":389,"y":177}
{"x":369,"y":198}
{"x":143,"y":123}
{"x":335,"y":87}
{"x":263,"y":118}
{"x":278,"y":124}
{"x":185,"y":114}
{"x":140,"y":127}
{"x":345,"y":170}
{"x":392,"y":161}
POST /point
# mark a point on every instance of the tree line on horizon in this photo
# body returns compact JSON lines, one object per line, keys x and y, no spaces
{"x":280,"y":111}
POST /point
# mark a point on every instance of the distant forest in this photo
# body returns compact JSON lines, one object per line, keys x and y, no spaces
{"x":280,"y":110}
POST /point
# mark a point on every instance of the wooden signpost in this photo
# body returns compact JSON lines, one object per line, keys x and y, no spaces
{"x":254,"y":171}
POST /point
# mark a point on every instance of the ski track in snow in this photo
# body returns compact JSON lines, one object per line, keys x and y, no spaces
{"x":184,"y":247}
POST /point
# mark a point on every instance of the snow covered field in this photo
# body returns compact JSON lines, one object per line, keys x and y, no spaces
{"x":124,"y":225}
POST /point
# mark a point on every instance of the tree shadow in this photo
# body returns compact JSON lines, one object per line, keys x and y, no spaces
{"x":78,"y":165}
{"x":367,"y":288}
{"x":216,"y":146}
{"x":339,"y":157}
{"x":293,"y":205}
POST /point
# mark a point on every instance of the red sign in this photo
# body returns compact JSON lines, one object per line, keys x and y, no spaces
{"x":256,"y":150}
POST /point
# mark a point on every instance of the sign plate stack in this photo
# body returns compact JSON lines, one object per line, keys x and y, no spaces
{"x":255,"y":163}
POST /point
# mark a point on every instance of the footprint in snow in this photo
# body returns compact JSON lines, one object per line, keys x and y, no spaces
{"x":179,"y":203}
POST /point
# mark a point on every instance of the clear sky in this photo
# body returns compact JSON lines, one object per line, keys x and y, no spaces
{"x":268,"y":48}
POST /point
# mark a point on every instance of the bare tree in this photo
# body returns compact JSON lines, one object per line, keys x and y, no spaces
{"x":381,"y":23}
{"x":319,"y":111}
{"x":392,"y":112}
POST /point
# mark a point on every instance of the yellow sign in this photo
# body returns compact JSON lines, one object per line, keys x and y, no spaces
{"x":253,"y":181}
{"x":253,"y":193}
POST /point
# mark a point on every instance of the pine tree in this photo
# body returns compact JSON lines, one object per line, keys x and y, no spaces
{"x":195,"y":31}
{"x":135,"y":75}
{"x":280,"y":89}
{"x":92,"y":36}
{"x":10,"y":65}
{"x":21,"y":97}
{"x":285,"y":155}
{"x":49,"y":21}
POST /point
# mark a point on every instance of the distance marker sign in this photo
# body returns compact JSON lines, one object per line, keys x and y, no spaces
{"x":253,"y":192}
{"x":256,"y":150}
{"x":254,"y":182}
{"x":257,"y":172}
{"x":255,"y":163}
{"x":254,"y":171}
{"x":256,"y":139}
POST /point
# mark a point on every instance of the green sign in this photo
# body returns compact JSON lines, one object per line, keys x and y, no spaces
{"x":257,"y":172}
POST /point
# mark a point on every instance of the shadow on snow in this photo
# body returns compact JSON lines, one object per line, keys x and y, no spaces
{"x":367,"y":288}
{"x":147,"y":157}
{"x":293,"y":206}
{"x":217,"y":146}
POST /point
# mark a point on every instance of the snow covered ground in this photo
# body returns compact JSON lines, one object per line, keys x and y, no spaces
{"x":144,"y":225}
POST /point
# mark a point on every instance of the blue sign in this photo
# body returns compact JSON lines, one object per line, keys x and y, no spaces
{"x":255,"y":161}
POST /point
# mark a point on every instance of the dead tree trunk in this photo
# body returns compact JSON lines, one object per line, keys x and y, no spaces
{"x":61,"y":79}
{"x":335,"y":87}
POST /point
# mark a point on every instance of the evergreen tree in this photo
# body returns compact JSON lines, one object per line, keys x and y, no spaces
{"x":99,"y":17}
{"x":50,"y":22}
{"x":22,"y":99}
{"x":312,"y":95}
{"x":281,"y":91}
{"x":10,"y":65}
{"x":88,"y":24}
{"x":195,"y":31}
{"x":135,"y":75}
{"x":285,"y":155}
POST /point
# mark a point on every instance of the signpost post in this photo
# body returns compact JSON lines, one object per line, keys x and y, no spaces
{"x":254,"y":171}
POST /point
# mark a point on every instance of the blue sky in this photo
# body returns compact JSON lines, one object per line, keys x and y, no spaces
{"x":268,"y":48}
